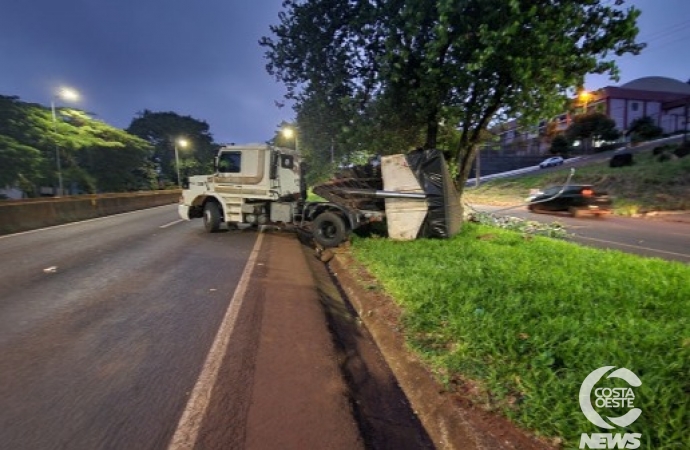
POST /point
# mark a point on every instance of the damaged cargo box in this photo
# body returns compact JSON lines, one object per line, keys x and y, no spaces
{"x":415,"y":190}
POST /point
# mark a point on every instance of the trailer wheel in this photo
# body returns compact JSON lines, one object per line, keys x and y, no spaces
{"x":329,"y":229}
{"x":211,"y":217}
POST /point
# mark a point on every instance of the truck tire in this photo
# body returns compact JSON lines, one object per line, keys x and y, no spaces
{"x":329,"y":229}
{"x":211,"y":217}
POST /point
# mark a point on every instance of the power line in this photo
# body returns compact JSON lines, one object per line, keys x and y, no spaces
{"x":680,"y":26}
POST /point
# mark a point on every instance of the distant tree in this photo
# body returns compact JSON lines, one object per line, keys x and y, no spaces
{"x":463,"y":63}
{"x":590,"y":127}
{"x":94,"y":156}
{"x":560,"y":145}
{"x":162,"y":129}
{"x":644,"y":129}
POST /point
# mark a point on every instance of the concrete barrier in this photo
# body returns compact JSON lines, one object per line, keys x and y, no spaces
{"x":29,"y":214}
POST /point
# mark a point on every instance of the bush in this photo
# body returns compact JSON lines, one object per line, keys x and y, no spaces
{"x":666,"y":157}
{"x":683,"y":150}
{"x":622,"y":160}
{"x":560,"y":145}
{"x":644,"y":129}
{"x":662,"y":149}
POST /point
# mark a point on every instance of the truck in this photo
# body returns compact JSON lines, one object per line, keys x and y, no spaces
{"x":261,"y":184}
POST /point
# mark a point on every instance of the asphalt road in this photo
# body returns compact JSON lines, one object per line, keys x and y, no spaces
{"x":645,"y":237}
{"x":142,"y":331}
{"x":105,"y":325}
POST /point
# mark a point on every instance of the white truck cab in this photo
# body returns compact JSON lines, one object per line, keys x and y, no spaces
{"x":254,"y":184}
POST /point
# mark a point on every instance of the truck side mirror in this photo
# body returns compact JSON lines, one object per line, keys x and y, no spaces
{"x":215,"y":164}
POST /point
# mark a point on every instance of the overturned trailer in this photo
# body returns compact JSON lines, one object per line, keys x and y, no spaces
{"x":415,"y":191}
{"x":257,"y":184}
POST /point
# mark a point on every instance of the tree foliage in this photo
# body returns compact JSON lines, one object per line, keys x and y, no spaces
{"x":162,"y":129}
{"x":392,"y":71}
{"x":644,"y":129}
{"x":593,"y":126}
{"x":560,"y":145}
{"x":95,"y":157}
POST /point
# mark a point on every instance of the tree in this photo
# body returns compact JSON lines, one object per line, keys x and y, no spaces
{"x":644,"y":129}
{"x":162,"y":129}
{"x":463,"y":63}
{"x":95,"y":156}
{"x":560,"y":145}
{"x":590,"y":127}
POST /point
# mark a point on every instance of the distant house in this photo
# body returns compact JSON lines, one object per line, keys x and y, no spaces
{"x":665,"y":100}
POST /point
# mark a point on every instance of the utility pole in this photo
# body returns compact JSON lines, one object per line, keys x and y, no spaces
{"x":332,"y":152}
{"x":685,"y":133}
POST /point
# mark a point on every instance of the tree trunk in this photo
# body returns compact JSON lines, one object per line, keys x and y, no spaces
{"x":431,"y":131}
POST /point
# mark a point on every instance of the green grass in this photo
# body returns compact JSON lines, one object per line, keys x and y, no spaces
{"x":311,"y":197}
{"x":520,"y":323}
{"x":648,"y":185}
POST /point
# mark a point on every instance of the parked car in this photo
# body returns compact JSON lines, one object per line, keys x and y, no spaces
{"x":551,"y":162}
{"x":578,"y":200}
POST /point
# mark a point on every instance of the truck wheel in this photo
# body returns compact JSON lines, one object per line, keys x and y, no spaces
{"x":211,"y":217}
{"x":329,"y":229}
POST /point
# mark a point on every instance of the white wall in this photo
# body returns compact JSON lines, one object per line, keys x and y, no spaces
{"x":617,"y":113}
{"x":12,"y":193}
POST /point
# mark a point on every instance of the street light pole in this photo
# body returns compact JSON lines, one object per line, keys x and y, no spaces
{"x":182,"y":143}
{"x":177,"y":166}
{"x":57,"y":146}
{"x":332,"y":151}
{"x":69,"y":95}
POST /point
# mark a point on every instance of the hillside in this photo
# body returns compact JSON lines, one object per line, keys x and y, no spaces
{"x":649,"y":185}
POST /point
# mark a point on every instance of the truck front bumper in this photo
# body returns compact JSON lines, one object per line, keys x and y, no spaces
{"x":183,"y":211}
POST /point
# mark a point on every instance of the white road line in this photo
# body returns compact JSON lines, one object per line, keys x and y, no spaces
{"x":171,"y":223}
{"x":187,"y":431}
{"x":81,"y":221}
{"x":634,"y":246}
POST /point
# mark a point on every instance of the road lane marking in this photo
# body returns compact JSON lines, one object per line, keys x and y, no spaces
{"x":171,"y":223}
{"x":639,"y":247}
{"x":188,"y":428}
{"x":96,"y":219}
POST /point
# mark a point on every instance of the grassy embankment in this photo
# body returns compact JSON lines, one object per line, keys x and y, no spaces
{"x":649,"y":185}
{"x":519,"y":323}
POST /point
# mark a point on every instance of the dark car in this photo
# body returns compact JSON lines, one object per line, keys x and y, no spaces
{"x":578,"y":200}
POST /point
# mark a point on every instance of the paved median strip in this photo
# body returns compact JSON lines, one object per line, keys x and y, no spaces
{"x":187,"y":431}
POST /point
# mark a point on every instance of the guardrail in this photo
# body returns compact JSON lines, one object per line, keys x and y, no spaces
{"x":29,"y":214}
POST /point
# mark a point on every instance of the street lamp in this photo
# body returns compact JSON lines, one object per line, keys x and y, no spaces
{"x":69,"y":95}
{"x":584,"y":98}
{"x":289,"y":133}
{"x":182,"y":142}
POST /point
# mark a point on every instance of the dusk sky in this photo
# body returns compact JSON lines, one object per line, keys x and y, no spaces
{"x":203,"y":59}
